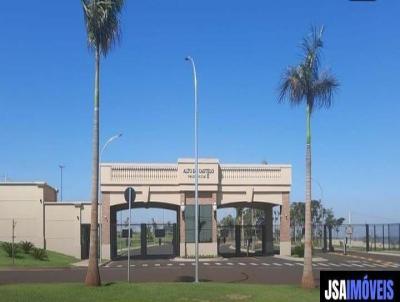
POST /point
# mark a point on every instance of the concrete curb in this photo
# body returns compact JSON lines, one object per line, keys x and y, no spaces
{"x":216,"y":259}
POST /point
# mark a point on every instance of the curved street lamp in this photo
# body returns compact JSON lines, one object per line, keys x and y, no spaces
{"x":196,"y":155}
{"x":109,"y":141}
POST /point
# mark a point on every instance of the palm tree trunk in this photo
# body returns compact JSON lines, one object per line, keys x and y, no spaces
{"x":308,"y":277}
{"x":93,"y":274}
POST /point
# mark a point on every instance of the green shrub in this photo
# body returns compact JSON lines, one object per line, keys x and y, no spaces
{"x":8,"y":248}
{"x":39,"y":254}
{"x":26,"y":246}
{"x":299,"y":250}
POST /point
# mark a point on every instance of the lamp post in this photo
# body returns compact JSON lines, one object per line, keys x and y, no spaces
{"x":196,"y":186}
{"x":110,"y":140}
{"x":320,"y":188}
{"x":61,"y":181}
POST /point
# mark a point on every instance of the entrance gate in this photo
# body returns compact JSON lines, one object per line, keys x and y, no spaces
{"x":237,"y":240}
{"x":148,"y":240}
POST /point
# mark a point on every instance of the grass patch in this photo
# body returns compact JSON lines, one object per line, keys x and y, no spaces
{"x":157,"y":292}
{"x":27,"y":260}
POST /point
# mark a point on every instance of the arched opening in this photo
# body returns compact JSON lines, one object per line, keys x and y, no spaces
{"x":247,"y":229}
{"x":154,"y":231}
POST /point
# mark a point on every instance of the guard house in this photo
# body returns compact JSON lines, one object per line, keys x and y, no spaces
{"x":171,"y":186}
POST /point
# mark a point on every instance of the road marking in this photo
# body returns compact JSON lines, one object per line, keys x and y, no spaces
{"x":380,"y":265}
{"x":333,"y":264}
{"x":355,"y":264}
{"x":368,"y":265}
{"x":145,"y":265}
{"x":133,"y":265}
{"x":206,"y":263}
{"x":254,"y":264}
{"x":120,"y":265}
{"x":288,"y":264}
{"x":169,"y":264}
{"x":243,"y":264}
{"x":218,"y":263}
{"x":230,"y":263}
{"x":182,"y":264}
{"x":345,"y":264}
{"x":157,"y":264}
{"x":323,"y":264}
{"x":277,"y":264}
{"x":300,"y":264}
{"x":265,"y":264}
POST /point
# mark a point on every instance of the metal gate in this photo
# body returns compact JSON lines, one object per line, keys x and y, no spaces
{"x":148,"y":240}
{"x":85,"y":240}
{"x":237,"y":240}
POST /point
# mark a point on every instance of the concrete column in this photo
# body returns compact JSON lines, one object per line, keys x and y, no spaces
{"x":105,"y":219}
{"x":205,"y":248}
{"x":269,"y":239}
{"x":285,"y":244}
{"x":214,"y":220}
{"x":182,"y":226}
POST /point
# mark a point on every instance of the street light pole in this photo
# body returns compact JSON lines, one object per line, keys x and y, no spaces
{"x":320,"y":188}
{"x":61,"y":181}
{"x":111,"y":139}
{"x":196,"y":155}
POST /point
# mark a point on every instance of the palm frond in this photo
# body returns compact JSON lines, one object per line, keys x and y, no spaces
{"x":323,"y":89}
{"x":292,"y":85}
{"x":102,"y":20}
{"x":311,"y":46}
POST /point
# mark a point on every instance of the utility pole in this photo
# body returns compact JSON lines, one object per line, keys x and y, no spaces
{"x":61,"y":181}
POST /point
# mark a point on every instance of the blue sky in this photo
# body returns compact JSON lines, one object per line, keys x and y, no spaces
{"x":241,"y":49}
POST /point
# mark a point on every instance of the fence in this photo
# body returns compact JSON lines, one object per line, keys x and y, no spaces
{"x":356,"y":237}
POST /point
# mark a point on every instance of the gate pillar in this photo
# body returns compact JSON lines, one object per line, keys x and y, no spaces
{"x":285,"y":240}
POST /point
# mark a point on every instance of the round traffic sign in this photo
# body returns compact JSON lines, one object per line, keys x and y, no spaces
{"x":130,"y":194}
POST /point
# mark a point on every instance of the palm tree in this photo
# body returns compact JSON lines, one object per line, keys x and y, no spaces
{"x":103,"y":31}
{"x":305,"y":83}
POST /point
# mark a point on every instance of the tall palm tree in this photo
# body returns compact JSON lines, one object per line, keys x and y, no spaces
{"x":306,"y":84}
{"x":102,"y":20}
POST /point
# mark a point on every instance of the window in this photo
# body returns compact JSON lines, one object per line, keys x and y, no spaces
{"x":205,"y":223}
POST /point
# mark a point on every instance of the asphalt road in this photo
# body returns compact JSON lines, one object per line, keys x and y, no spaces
{"x":272,"y":270}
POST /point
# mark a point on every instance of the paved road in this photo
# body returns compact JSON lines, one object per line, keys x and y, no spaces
{"x":272,"y":270}
{"x":164,"y":250}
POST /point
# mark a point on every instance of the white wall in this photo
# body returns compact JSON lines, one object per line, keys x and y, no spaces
{"x":24,"y":204}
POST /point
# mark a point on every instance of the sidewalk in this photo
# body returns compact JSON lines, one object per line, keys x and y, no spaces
{"x":85,"y":263}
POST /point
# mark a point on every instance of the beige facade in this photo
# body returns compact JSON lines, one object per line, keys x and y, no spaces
{"x":40,"y":219}
{"x":220,"y":185}
{"x":58,"y":225}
